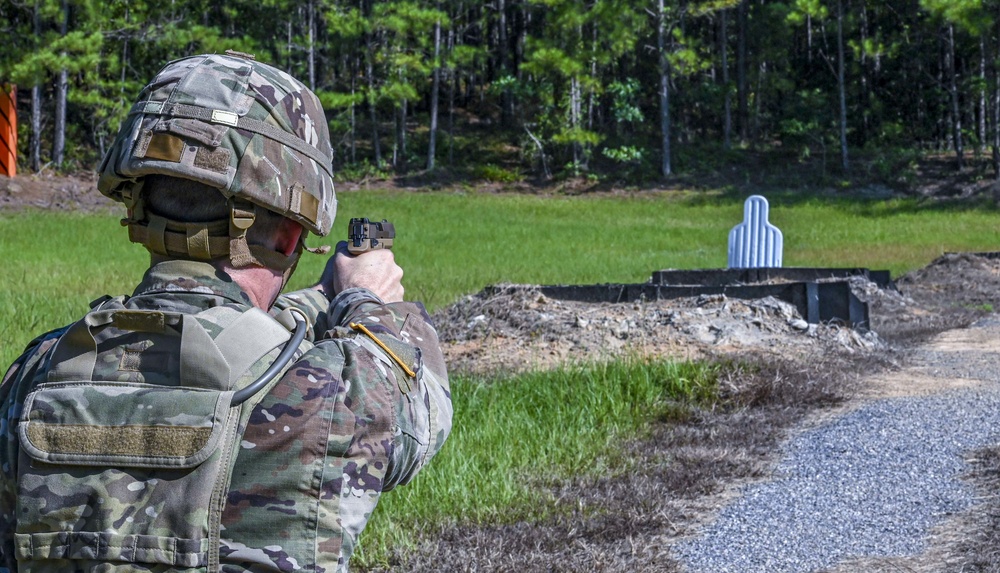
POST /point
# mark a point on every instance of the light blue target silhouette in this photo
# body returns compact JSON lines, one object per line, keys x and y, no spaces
{"x":755,"y":243}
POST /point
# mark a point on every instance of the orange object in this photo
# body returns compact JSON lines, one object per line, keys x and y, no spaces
{"x":8,"y":130}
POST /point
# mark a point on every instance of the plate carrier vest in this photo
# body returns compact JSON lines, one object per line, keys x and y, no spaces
{"x":128,"y":445}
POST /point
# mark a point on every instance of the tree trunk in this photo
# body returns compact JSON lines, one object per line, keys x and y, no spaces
{"x":809,"y":39}
{"x":661,"y":41}
{"x":373,"y":112}
{"x":742,"y":97}
{"x":35,"y":142}
{"x":953,"y":90}
{"x":727,"y":119}
{"x":574,"y":121}
{"x":452,"y":88}
{"x":865,"y":88}
{"x":125,"y":60}
{"x":521,"y":34}
{"x":506,"y":98}
{"x":370,"y":78}
{"x":996,"y":107}
{"x":591,"y":104}
{"x":435,"y":89}
{"x":288,"y":48}
{"x":311,"y":50}
{"x":354,"y":120}
{"x":62,"y":87}
{"x":400,"y":159}
{"x":983,"y":110}
{"x":841,"y":88}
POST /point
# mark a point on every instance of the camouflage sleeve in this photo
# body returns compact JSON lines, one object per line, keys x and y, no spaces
{"x":310,"y":301}
{"x":346,"y":420}
{"x":401,"y":336}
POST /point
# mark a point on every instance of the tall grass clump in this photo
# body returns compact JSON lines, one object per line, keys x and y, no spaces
{"x":515,"y":437}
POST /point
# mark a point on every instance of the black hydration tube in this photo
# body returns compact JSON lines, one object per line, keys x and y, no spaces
{"x":301,"y":326}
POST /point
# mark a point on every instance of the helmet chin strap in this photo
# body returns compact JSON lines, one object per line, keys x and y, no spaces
{"x":286,"y":264}
{"x":204,"y":241}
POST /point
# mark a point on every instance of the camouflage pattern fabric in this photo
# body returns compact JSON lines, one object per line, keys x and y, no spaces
{"x":246,"y":128}
{"x":309,"y":457}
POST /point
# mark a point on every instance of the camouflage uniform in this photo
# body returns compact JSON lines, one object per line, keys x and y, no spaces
{"x":342,"y":425}
{"x":130,"y":440}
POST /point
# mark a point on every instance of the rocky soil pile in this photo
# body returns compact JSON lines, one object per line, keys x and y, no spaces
{"x":511,"y":328}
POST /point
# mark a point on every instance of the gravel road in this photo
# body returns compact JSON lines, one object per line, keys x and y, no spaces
{"x":872,"y":479}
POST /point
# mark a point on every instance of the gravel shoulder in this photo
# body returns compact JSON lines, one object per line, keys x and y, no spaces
{"x":876,"y":483}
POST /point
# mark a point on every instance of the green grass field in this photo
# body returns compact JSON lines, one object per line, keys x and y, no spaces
{"x":450,"y":244}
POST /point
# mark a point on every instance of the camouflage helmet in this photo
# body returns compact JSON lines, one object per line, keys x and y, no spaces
{"x":252,"y":131}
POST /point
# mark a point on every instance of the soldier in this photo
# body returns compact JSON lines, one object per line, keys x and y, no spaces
{"x":207,"y":423}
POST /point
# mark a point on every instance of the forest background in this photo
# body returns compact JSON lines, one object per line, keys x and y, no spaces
{"x":519,"y":90}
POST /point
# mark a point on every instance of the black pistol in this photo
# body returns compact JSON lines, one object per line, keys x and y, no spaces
{"x":364,"y":235}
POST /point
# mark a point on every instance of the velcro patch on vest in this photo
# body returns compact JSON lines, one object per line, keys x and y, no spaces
{"x":140,"y":321}
{"x":123,"y":425}
{"x":164,"y":147}
{"x":119,"y":440}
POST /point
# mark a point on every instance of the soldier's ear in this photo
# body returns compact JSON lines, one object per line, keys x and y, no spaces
{"x":287,"y":238}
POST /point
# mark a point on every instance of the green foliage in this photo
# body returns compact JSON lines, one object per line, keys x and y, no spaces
{"x":801,"y":10}
{"x":577,"y":135}
{"x":896,"y":165}
{"x":363,"y":171}
{"x":495,"y":174}
{"x":336,"y":100}
{"x":546,"y":61}
{"x":575,"y":74}
{"x":624,"y":154}
{"x":625,"y":105}
{"x":972,"y":15}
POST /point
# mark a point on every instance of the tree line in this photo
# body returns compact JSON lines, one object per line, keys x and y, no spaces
{"x":572,"y":86}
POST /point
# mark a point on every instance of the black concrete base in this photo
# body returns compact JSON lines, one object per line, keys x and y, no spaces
{"x":819,"y":295}
{"x":815,"y":302}
{"x":716,"y":277}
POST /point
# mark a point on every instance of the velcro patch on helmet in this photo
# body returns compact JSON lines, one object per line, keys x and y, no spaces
{"x":304,"y":203}
{"x":212,"y":159}
{"x":164,"y":147}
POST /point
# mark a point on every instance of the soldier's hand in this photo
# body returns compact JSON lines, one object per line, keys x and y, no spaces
{"x":375,"y":270}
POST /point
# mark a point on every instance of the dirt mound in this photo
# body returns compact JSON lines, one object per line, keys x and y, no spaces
{"x":951,"y":292}
{"x":510,"y":328}
{"x":76,"y":192}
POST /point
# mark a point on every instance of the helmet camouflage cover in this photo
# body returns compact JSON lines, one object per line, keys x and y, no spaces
{"x":253,"y":132}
